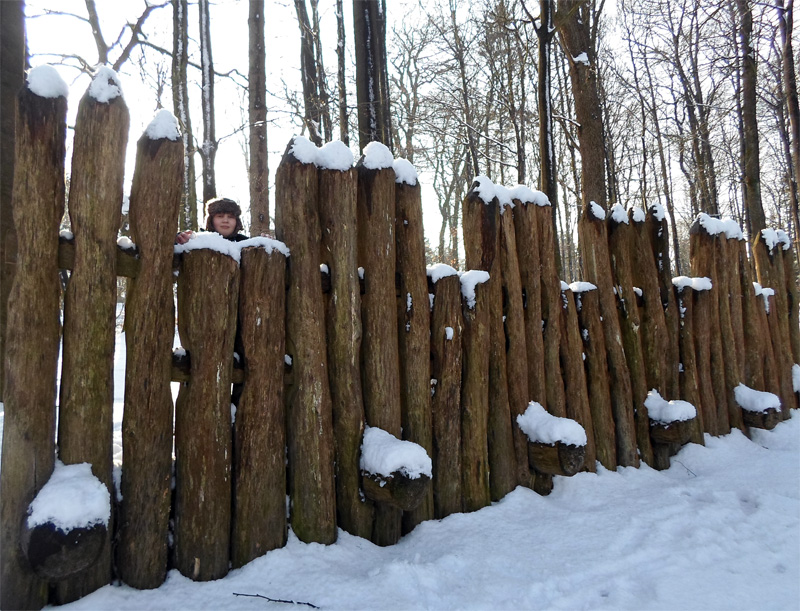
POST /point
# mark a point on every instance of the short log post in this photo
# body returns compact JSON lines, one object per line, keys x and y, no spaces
{"x":149,"y":331}
{"x":309,"y":419}
{"x":259,"y":443}
{"x":774,"y":323}
{"x":734,"y":262}
{"x":701,"y":323}
{"x":208,"y":288}
{"x":516,"y":350}
{"x":587,"y":305}
{"x":619,"y":241}
{"x":572,"y":368}
{"x":446,"y":330}
{"x":481,"y":221}
{"x":772,"y":379}
{"x":413,"y":329}
{"x":597,"y":270}
{"x":475,"y":399}
{"x":380,"y":361}
{"x":337,"y":215}
{"x":689,"y":389}
{"x":31,"y":356}
{"x":87,"y":380}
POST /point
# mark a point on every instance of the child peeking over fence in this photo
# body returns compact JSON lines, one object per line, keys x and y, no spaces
{"x":224,"y":217}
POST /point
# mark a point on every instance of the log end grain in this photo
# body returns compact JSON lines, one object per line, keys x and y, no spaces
{"x":54,"y":554}
{"x":397,"y":490}
{"x":556,"y":459}
{"x":762,"y":420}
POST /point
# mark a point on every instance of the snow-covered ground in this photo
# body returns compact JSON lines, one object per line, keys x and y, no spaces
{"x":719,"y":530}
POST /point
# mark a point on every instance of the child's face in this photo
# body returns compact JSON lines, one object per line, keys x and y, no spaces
{"x":224,"y":224}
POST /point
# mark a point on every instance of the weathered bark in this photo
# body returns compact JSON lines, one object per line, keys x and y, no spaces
{"x":413,"y":328}
{"x":208,"y":150}
{"x":753,"y":337}
{"x":736,"y":257}
{"x":773,"y":381}
{"x":309,"y":420}
{"x":259,"y":443}
{"x":149,"y":330}
{"x":87,"y":388}
{"x":180,"y":105}
{"x":786,"y":26}
{"x":337,"y":214}
{"x":344,"y":123}
{"x":762,"y":420}
{"x":597,"y":270}
{"x":689,"y":378}
{"x":258,"y":169}
{"x":372,"y":80}
{"x":208,"y":283}
{"x":724,"y":268}
{"x":701,"y":322}
{"x":556,"y":459}
{"x":31,"y":358}
{"x":784,"y":387}
{"x":397,"y":490}
{"x":791,"y":312}
{"x":446,"y":333}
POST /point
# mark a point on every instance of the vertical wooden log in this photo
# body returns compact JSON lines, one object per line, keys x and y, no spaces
{"x":309,"y":420}
{"x":753,"y":337}
{"x":414,"y":323}
{"x":380,"y":364}
{"x":149,"y":331}
{"x":774,"y":324}
{"x":773,"y":381}
{"x":337,"y":214}
{"x":572,"y":368}
{"x":619,"y":240}
{"x":259,"y":447}
{"x":701,"y":323}
{"x":482,"y":224}
{"x":208,"y":287}
{"x":587,"y":304}
{"x":31,"y":357}
{"x":87,"y":380}
{"x":597,"y":270}
{"x":516,"y":350}
{"x":792,"y":301}
{"x":475,"y":394}
{"x":690,"y":389}
{"x":733,"y":257}
{"x":446,"y":331}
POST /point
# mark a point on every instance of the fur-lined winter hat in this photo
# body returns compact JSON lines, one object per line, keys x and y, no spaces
{"x":223,"y":205}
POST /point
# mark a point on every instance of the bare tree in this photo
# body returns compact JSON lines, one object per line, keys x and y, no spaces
{"x":208,"y":150}
{"x":372,"y":81}
{"x":344,"y":121}
{"x":258,"y":168}
{"x":180,"y":104}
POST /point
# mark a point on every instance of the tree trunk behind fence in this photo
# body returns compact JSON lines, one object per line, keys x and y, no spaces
{"x":482,"y":251}
{"x":587,"y":304}
{"x":259,"y":443}
{"x":790,"y":280}
{"x":690,"y":389}
{"x":724,"y":268}
{"x":701,"y":323}
{"x":149,"y":331}
{"x":31,"y":358}
{"x":337,"y":213}
{"x":380,"y":364}
{"x":87,"y":380}
{"x":446,"y":400}
{"x":208,"y":288}
{"x":577,"y":397}
{"x":309,"y":420}
{"x":516,"y":350}
{"x":475,"y":403}
{"x":413,"y":328}
{"x":619,"y":241}
{"x":597,"y":270}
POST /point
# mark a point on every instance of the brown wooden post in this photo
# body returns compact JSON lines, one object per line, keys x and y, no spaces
{"x":572,"y":368}
{"x":792,"y":297}
{"x":475,"y":393}
{"x":414,"y":323}
{"x":516,"y":350}
{"x":309,"y":420}
{"x":619,"y":241}
{"x":33,"y":336}
{"x":149,"y":331}
{"x":380,"y":361}
{"x":337,"y":215}
{"x":87,"y":380}
{"x":259,"y":442}
{"x":734,"y":259}
{"x":689,"y":377}
{"x":208,"y":289}
{"x":597,"y":270}
{"x":771,"y":374}
{"x":701,"y":309}
{"x":481,"y":223}
{"x":446,"y":330}
{"x":587,"y":305}
{"x":753,"y":337}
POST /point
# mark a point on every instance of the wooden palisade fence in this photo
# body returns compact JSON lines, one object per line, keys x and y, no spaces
{"x":341,"y":327}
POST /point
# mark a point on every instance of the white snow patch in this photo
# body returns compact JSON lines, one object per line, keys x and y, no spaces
{"x":440,"y":270}
{"x":469,"y":280}
{"x":657,"y":210}
{"x":377,"y":156}
{"x":210,"y":240}
{"x":542,"y":427}
{"x":163,"y":125}
{"x":125,"y":243}
{"x":618,"y":214}
{"x":304,"y":150}
{"x":755,"y":400}
{"x":582,"y":287}
{"x":46,"y":82}
{"x":796,"y":377}
{"x":383,"y":454}
{"x":405,"y":172}
{"x":334,"y":155}
{"x":72,"y":498}
{"x":448,"y":333}
{"x":484,"y":188}
{"x":667,"y":412}
{"x":697,"y":284}
{"x":105,"y":85}
{"x":526,"y":195}
{"x":597,"y":211}
{"x":637,"y":215}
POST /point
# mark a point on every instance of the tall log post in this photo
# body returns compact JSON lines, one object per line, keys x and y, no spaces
{"x":516,"y":350}
{"x":31,"y":358}
{"x":619,"y":241}
{"x":446,"y":331}
{"x":149,"y":331}
{"x":689,"y":377}
{"x":309,"y":419}
{"x":587,"y":305}
{"x":258,"y":522}
{"x":753,"y":338}
{"x":380,"y":364}
{"x":208,"y":287}
{"x":87,"y":380}
{"x":792,"y":302}
{"x":413,"y":324}
{"x":734,"y":260}
{"x":337,"y":214}
{"x":771,"y":374}
{"x":774,"y":324}
{"x":596,"y":264}
{"x":475,"y":399}
{"x":701,"y":323}
{"x":481,"y":222}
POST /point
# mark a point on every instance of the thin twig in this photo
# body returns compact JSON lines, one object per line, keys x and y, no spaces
{"x":277,"y":600}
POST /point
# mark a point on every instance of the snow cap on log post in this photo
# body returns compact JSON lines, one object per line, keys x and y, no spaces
{"x":31,"y":358}
{"x":761,"y":409}
{"x":556,"y":445}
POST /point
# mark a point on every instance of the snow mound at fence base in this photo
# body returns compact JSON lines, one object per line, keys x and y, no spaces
{"x":756,"y":400}
{"x":541,"y":427}
{"x":383,"y":454}
{"x":71,"y":498}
